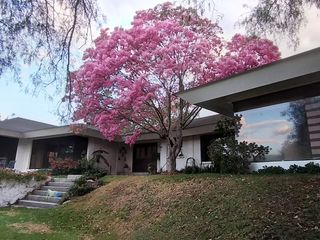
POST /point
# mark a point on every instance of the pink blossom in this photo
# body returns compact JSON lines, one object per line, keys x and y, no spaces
{"x":128,"y":80}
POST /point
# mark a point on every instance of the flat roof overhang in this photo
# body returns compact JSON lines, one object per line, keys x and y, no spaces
{"x":8,"y":133}
{"x":61,"y":131}
{"x":285,"y":80}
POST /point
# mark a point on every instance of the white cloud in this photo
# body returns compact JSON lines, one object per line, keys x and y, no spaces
{"x":263,"y":124}
{"x":282,"y":130}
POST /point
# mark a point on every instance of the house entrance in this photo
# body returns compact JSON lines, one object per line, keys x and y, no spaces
{"x":143,"y":155}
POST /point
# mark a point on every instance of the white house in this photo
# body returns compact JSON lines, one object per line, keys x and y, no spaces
{"x":28,"y":144}
{"x":279,"y":102}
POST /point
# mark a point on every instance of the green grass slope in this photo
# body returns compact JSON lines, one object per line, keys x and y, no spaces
{"x":180,"y":207}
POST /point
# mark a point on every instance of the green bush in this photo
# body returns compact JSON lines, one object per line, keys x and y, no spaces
{"x":228,"y":154}
{"x":191,"y":170}
{"x":272,"y":170}
{"x":83,"y":166}
{"x":85,"y":184}
{"x":296,"y":169}
{"x":310,"y":168}
{"x":9,"y":174}
{"x":197,"y":169}
{"x":80,"y":188}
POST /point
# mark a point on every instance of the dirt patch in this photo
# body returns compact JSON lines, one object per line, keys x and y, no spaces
{"x":31,"y":228}
{"x":86,"y":237}
{"x":9,"y":213}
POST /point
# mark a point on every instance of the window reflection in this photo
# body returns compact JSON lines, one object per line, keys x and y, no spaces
{"x":291,"y":130}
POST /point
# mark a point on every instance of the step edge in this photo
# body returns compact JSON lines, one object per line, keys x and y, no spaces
{"x":43,"y":196}
{"x":32,"y":201}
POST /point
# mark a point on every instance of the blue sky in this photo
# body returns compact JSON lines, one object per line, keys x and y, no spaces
{"x":266,"y":126}
{"x":13,"y":99}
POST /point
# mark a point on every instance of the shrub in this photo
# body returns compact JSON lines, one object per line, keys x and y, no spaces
{"x":191,"y":169}
{"x":79,"y":188}
{"x":61,"y":166}
{"x":296,"y":169}
{"x":83,"y":166}
{"x":197,"y":169}
{"x":228,"y":154}
{"x":310,"y":168}
{"x":272,"y":170}
{"x":84,"y":185}
{"x":8,"y":174}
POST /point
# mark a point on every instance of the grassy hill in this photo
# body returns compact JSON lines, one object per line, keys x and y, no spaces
{"x":180,"y":207}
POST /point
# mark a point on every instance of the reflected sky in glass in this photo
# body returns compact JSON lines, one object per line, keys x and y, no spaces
{"x":266,"y":126}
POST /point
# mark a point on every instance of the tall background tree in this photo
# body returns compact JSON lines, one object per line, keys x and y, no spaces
{"x":42,"y":33}
{"x":127,"y":83}
{"x":267,"y":18}
{"x":298,"y":140}
{"x":278,"y":18}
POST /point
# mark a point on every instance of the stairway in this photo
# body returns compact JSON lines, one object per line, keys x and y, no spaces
{"x":39,"y":198}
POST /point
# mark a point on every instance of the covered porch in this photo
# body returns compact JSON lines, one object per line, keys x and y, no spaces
{"x":279,"y":104}
{"x":8,"y":150}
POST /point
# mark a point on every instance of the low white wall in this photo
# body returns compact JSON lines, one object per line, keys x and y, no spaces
{"x":23,"y":155}
{"x":11,"y":191}
{"x":255,"y":166}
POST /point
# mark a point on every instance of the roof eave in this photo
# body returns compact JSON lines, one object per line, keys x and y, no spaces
{"x":293,"y":72}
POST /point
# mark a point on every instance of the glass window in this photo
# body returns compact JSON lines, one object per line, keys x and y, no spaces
{"x":290,"y":129}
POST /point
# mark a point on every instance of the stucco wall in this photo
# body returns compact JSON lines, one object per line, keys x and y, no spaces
{"x":23,"y":155}
{"x":124,"y":158}
{"x":190,"y":148}
{"x":95,"y":144}
{"x":11,"y":191}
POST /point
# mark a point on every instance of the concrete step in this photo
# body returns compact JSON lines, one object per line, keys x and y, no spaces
{"x":54,"y":179}
{"x":55,"y":188}
{"x":36,"y":204}
{"x":45,"y":192}
{"x":40,"y":198}
{"x":73,"y":177}
{"x":60,"y":184}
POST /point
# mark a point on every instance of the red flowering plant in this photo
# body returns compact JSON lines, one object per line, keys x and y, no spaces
{"x":62,"y":166}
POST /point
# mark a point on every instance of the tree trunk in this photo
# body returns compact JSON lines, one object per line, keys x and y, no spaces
{"x":175,"y":145}
{"x":175,"y":135}
{"x":171,"y":160}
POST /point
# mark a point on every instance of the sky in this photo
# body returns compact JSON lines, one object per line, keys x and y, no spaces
{"x":15,"y":102}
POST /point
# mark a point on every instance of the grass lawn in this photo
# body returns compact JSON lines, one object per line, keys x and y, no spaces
{"x":21,"y":223}
{"x":179,"y":207}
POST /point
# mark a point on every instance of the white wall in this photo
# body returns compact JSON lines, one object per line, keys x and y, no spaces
{"x":95,"y":144}
{"x":11,"y":191}
{"x":124,"y":157}
{"x":190,"y":148}
{"x":23,"y":155}
{"x":163,"y":150}
{"x":255,"y":166}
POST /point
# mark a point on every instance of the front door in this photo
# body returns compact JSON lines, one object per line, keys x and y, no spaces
{"x":143,"y":155}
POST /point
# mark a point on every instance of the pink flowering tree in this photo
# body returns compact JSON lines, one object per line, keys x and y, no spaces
{"x":127,"y":83}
